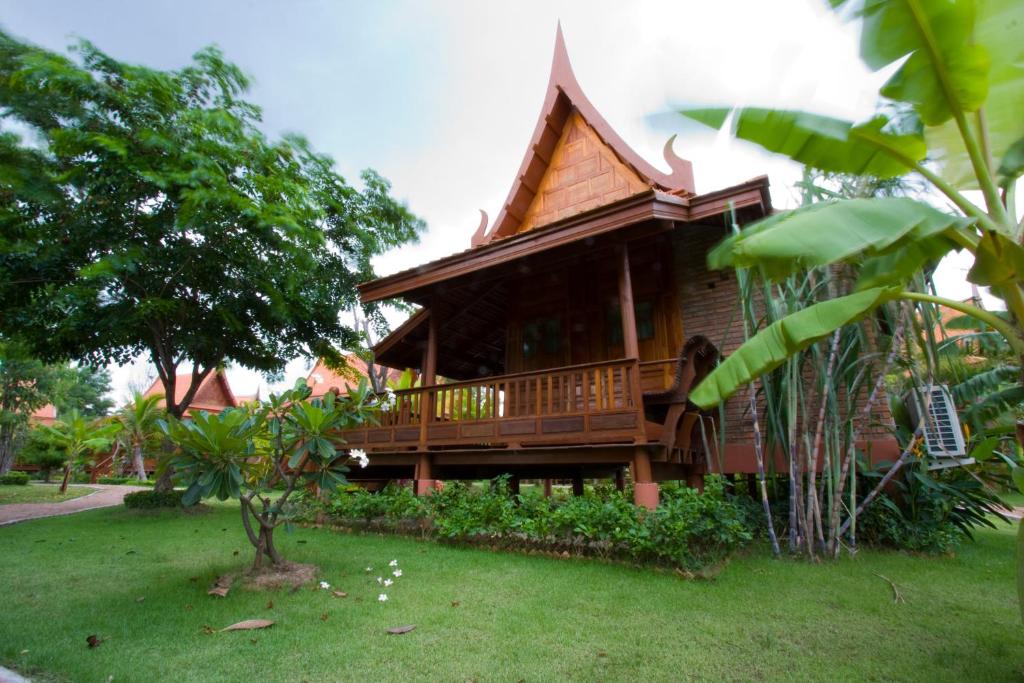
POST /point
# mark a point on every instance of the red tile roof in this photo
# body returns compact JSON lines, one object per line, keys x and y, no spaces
{"x":321,"y":378}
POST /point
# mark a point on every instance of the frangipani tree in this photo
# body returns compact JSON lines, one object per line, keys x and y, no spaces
{"x":245,"y":453}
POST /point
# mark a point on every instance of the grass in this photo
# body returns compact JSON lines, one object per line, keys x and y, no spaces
{"x":40,"y":493}
{"x":487,"y":616}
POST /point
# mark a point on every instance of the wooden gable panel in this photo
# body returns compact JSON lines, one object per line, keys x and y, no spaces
{"x":583,"y":174}
{"x":212,"y":392}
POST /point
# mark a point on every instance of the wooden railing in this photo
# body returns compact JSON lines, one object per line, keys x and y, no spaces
{"x":580,"y":404}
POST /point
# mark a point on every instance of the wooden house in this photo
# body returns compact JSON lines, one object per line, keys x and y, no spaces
{"x":554,"y":346}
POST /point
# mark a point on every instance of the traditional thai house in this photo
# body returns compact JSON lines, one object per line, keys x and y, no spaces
{"x":556,"y":346}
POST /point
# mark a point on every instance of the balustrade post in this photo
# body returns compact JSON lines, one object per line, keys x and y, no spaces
{"x":645,"y":491}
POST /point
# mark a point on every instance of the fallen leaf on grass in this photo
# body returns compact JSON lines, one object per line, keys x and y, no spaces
{"x":235,"y":553}
{"x":253,"y":641}
{"x":221,"y":586}
{"x":398,"y":630}
{"x":24,"y":652}
{"x":270,"y":604}
{"x":141,"y":598}
{"x":339,"y":594}
{"x":193,"y":579}
{"x":323,"y":617}
{"x":207,"y":629}
{"x":455,"y":603}
{"x":93,"y":640}
{"x":248,"y":625}
{"x":602,"y":653}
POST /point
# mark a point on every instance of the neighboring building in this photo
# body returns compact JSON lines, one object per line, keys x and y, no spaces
{"x":322,"y":379}
{"x":560,"y":332}
{"x":46,"y":415}
{"x":213,"y":395}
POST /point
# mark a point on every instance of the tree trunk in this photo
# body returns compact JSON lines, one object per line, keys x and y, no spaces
{"x":67,"y":476}
{"x":164,"y":483}
{"x":6,"y":449}
{"x":138,"y":462}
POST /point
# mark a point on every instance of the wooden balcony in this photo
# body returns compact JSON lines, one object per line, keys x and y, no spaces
{"x":595,"y":403}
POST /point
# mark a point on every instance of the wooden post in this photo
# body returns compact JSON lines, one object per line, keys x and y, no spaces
{"x":424,"y":484}
{"x":630,"y":343}
{"x":547,"y":488}
{"x":577,"y":485}
{"x":620,"y":480}
{"x":513,"y":485}
{"x":629,"y":336}
{"x":645,"y":491}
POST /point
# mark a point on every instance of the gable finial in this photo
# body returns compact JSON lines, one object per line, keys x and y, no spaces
{"x":682,"y":169}
{"x":561,"y":68}
{"x":480,"y":236}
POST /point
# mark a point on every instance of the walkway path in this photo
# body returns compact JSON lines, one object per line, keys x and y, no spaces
{"x":104,"y":497}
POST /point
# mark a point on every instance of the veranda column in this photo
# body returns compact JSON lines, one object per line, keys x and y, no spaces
{"x":645,"y":491}
{"x":424,"y":479}
{"x":629,"y":337}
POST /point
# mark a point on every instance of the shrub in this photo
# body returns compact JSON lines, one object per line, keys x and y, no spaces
{"x":928,"y":512}
{"x":688,"y":529}
{"x":15,"y":478}
{"x":149,"y":500}
{"x":127,"y":481}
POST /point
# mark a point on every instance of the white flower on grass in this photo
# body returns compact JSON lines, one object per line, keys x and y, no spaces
{"x":393,"y":563}
{"x":369,"y":569}
{"x":382,"y":597}
{"x":380,"y":579}
{"x":397,"y":573}
{"x":387,"y":582}
{"x":359,"y":455}
{"x":324,"y":585}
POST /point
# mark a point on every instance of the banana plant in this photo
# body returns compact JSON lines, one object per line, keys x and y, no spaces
{"x":952,"y":117}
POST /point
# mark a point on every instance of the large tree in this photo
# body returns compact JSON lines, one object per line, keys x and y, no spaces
{"x":26,"y":384}
{"x":144,"y":212}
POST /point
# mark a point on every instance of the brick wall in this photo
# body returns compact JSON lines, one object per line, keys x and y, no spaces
{"x":710,"y":306}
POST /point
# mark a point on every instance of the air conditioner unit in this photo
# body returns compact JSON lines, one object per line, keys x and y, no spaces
{"x":943,"y":437}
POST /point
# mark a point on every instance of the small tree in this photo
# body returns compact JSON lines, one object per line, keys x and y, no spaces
{"x":286,"y":441}
{"x":80,"y":438}
{"x":43,"y":450}
{"x":139,"y":429}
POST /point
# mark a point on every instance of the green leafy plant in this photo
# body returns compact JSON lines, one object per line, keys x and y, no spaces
{"x":952,"y":119}
{"x":139,"y":431}
{"x":80,"y":438}
{"x":14,"y":478}
{"x":152,"y":500}
{"x":245,"y":453}
{"x":43,"y":450}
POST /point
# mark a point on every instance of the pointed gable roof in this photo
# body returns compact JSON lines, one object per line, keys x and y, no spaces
{"x":576,"y":162}
{"x":214,"y":393}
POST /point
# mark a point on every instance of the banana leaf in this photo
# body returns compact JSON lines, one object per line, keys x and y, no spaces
{"x":770,"y":347}
{"x":830,"y":232}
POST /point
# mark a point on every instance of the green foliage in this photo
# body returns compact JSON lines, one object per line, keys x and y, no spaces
{"x":929,"y":512}
{"x":245,"y":453}
{"x":261,"y":242}
{"x":14,"y":478}
{"x":26,"y":384}
{"x":83,"y":388}
{"x":688,"y":529}
{"x":124,"y":481}
{"x":151,"y":500}
{"x":769,"y":348}
{"x":44,"y":450}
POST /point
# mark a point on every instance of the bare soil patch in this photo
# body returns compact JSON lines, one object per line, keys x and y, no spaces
{"x":287,"y":575}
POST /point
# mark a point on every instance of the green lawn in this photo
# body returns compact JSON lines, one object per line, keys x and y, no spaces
{"x":40,"y":493}
{"x":517,"y":617}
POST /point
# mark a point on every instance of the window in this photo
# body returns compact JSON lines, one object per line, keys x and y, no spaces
{"x":644,"y":312}
{"x":542,"y":336}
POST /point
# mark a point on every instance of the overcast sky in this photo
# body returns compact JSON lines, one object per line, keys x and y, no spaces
{"x":442,"y":98}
